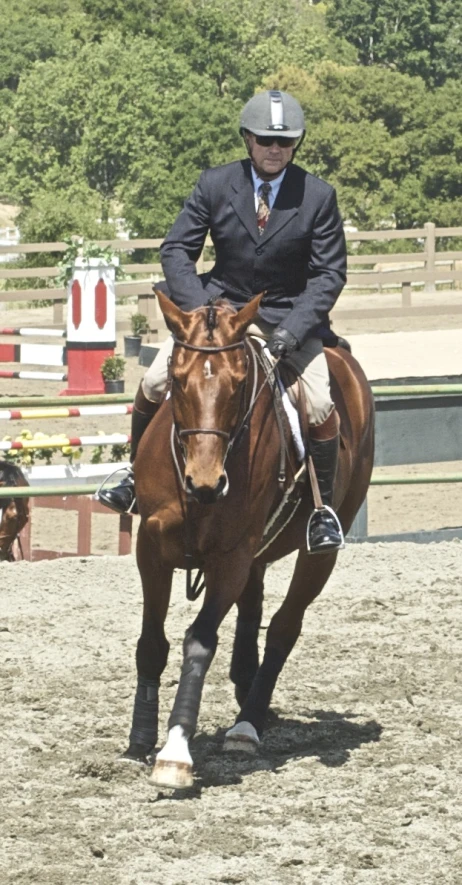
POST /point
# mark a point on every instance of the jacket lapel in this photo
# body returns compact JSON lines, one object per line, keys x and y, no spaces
{"x":284,"y":208}
{"x":243,"y":201}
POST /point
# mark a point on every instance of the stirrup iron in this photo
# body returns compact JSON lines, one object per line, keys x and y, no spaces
{"x":107,"y":479}
{"x":325,"y":508}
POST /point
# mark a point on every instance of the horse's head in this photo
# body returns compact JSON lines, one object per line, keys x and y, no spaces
{"x":14,"y":512}
{"x":208,"y":373}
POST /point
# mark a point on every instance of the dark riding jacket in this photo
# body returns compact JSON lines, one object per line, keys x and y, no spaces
{"x":299,"y":261}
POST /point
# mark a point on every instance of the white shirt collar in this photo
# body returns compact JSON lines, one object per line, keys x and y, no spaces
{"x":275,"y":182}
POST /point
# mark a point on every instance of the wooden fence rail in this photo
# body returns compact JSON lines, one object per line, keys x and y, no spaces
{"x":376,"y":271}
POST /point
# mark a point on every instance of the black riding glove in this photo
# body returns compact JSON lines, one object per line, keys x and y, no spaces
{"x":281,"y":343}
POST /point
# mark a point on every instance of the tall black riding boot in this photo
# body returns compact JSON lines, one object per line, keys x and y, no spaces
{"x":122,"y":497}
{"x":324,"y":529}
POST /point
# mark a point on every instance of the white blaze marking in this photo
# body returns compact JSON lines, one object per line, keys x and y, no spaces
{"x":208,"y":369}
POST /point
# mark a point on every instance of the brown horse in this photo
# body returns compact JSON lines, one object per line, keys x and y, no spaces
{"x":14,"y":512}
{"x":207,"y":481}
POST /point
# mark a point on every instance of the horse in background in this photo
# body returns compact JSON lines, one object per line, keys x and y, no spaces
{"x":14,"y":512}
{"x":208,"y":480}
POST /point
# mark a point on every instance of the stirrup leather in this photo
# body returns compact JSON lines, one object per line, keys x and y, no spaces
{"x":325,"y":509}
{"x":128,"y":471}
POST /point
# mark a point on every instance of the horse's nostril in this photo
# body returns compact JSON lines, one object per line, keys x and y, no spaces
{"x":222,"y":485}
{"x":189,"y":483}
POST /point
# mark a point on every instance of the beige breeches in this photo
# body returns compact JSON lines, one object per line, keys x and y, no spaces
{"x":309,"y":363}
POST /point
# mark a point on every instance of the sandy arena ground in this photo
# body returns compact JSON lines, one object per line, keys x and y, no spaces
{"x":357,"y":779}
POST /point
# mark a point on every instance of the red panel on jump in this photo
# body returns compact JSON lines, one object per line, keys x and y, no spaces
{"x":76,"y":293}
{"x":101,"y":304}
{"x":84,"y":371}
{"x":8,"y":353}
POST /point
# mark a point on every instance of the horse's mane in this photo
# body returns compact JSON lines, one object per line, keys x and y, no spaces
{"x":223,"y":303}
{"x":10,"y":474}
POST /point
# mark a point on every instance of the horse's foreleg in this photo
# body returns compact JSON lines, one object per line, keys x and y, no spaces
{"x":151,"y":653}
{"x":310,"y":576}
{"x":225,"y":582}
{"x":244,"y":662}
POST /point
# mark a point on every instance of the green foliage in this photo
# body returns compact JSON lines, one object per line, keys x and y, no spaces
{"x":78,"y":247}
{"x":389,"y":146}
{"x":122,"y":103}
{"x":32,"y":31}
{"x":419,"y":37}
{"x":112,"y":369}
{"x":139,"y":324}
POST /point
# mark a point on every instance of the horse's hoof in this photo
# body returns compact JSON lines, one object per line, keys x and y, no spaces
{"x":242,"y":738}
{"x":176,"y":775}
{"x":138,"y":754}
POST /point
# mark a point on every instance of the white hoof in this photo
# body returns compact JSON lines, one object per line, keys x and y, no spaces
{"x":242,"y":738}
{"x":176,"y":775}
{"x":174,"y":766}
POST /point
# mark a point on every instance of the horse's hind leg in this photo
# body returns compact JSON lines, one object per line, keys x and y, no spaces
{"x":310,"y":575}
{"x":244,"y":662}
{"x":151,"y":653}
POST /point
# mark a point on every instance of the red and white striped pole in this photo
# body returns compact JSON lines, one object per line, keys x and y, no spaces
{"x":91,"y":328}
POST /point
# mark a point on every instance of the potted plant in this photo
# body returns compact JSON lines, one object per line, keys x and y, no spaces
{"x":112,"y":371}
{"x":132,"y":343}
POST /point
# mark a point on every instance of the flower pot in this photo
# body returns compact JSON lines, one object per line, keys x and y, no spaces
{"x":132,"y":345}
{"x":114,"y":386}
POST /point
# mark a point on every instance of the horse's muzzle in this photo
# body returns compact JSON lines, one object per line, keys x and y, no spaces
{"x":207,"y":494}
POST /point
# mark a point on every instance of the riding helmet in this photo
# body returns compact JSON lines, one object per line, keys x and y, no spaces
{"x":273,"y":111}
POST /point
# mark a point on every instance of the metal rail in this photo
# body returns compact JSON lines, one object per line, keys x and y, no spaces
{"x":67,"y":489}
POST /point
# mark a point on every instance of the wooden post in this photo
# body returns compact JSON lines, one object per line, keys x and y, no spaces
{"x":84,"y":510}
{"x":147,"y":304}
{"x":58,"y":313}
{"x":359,"y":525}
{"x":406,"y":292}
{"x":430,"y":249}
{"x":26,"y":534}
{"x":125,"y":534}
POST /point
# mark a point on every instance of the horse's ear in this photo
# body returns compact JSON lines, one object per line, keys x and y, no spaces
{"x":176,"y":319}
{"x":241,"y":320}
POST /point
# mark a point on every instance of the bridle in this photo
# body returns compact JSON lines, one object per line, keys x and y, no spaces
{"x":180,"y":434}
{"x":6,"y":552}
{"x":194,"y":587}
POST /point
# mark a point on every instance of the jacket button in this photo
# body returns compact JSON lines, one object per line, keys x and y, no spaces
{"x":259,"y":250}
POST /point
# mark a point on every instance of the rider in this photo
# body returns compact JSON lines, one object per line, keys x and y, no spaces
{"x":276,"y":229}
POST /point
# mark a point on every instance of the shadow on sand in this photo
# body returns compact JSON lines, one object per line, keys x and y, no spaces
{"x":324,"y":734}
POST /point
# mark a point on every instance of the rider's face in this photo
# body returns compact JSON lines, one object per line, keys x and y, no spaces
{"x":269,"y":160}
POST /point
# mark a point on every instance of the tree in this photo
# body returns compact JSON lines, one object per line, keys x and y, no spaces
{"x":33,"y":30}
{"x":390,"y":147}
{"x":419,"y":37}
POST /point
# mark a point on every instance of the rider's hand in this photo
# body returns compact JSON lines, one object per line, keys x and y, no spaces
{"x":281,"y":343}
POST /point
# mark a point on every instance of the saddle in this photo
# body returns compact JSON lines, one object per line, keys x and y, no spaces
{"x":293,"y":418}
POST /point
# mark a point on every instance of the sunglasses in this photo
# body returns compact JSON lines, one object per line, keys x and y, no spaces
{"x":268,"y":140}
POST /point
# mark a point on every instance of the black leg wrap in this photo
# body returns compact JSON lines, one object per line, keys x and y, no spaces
{"x":196,"y":662}
{"x":259,"y":698}
{"x":145,"y":714}
{"x":244,"y":662}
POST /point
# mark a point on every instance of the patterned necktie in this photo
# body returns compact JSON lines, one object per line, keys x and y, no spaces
{"x":263,"y":210}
